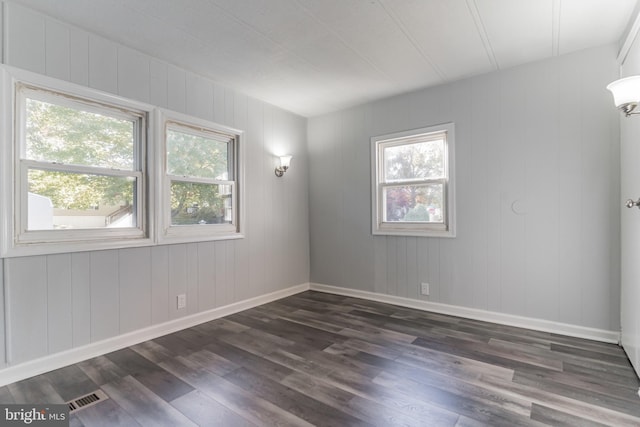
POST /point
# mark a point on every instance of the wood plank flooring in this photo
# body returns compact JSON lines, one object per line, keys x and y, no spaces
{"x":328,"y":360}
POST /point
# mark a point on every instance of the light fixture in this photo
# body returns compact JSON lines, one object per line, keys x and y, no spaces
{"x":626,"y":94}
{"x":284,"y":165}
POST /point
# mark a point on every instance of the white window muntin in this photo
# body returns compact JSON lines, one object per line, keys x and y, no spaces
{"x":169,"y":120}
{"x":380,"y":225}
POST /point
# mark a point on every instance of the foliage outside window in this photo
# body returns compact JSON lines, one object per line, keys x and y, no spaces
{"x":79,"y":171}
{"x":413,"y":182}
{"x":201,"y":180}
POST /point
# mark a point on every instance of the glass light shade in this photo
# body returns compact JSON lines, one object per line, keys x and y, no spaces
{"x":626,"y":90}
{"x":285,"y":161}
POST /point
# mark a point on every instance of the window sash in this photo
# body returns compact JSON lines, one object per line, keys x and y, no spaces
{"x":199,"y":232}
{"x":382,"y":205}
{"x":380,"y":183}
{"x":23,"y":238}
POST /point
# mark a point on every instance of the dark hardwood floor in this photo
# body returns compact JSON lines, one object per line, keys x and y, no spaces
{"x":320,"y":359}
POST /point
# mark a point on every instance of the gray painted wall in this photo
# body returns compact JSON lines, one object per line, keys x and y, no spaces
{"x":543,"y":136}
{"x":59,"y":302}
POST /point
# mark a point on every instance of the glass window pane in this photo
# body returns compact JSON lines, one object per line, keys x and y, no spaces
{"x":421,"y":160}
{"x":197,"y":156}
{"x":195,"y":203}
{"x":414,"y":203}
{"x":65,"y":200}
{"x":56,"y":133}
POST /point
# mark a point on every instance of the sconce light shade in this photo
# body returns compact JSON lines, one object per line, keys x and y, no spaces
{"x":285,"y":161}
{"x":626,"y":93}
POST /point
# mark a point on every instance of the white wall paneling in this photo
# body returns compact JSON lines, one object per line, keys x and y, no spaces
{"x":69,"y":301}
{"x":537,"y":159}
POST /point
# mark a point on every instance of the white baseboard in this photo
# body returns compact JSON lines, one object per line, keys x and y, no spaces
{"x":48,"y":363}
{"x":477,"y":314}
{"x":51,"y":362}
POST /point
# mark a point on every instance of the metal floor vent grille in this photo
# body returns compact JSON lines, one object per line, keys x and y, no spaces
{"x":86,"y":400}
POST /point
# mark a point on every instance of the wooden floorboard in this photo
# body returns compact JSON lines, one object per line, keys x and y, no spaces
{"x":330,"y":360}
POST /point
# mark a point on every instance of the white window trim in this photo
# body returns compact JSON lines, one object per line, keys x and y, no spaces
{"x":206,"y":232}
{"x":414,"y":229}
{"x":16,"y":243}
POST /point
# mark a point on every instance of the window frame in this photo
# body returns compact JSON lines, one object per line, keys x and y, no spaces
{"x":19,"y":85}
{"x":168,"y":233}
{"x":378,"y":183}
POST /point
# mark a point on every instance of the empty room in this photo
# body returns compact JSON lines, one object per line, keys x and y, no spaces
{"x":319,"y":212}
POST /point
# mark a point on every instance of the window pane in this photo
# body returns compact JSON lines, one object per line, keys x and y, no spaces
{"x":414,"y":203}
{"x":65,"y":200}
{"x":194,"y":203}
{"x":197,"y":156}
{"x":421,"y":160}
{"x":67,"y":135}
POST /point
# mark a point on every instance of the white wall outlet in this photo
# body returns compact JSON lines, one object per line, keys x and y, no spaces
{"x":182,"y":301}
{"x":424,"y":289}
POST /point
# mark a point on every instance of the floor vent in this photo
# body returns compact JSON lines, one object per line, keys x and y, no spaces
{"x":87,"y":400}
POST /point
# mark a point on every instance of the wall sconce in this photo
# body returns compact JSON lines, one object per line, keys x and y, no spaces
{"x":284,"y":165}
{"x":626,"y":94}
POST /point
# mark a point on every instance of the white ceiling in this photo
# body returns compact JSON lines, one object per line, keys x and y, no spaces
{"x":317,"y":56}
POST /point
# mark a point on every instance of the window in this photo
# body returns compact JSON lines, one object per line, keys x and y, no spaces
{"x":200,"y":185}
{"x":412,"y":182}
{"x":78,"y":169}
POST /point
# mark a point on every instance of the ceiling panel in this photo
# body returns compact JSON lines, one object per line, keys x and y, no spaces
{"x":445,"y":32}
{"x":528,"y":22}
{"x":314,"y":56}
{"x":587,"y":23}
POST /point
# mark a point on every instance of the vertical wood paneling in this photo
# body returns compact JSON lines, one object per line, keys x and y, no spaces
{"x":513,"y":193}
{"x":105,"y":299}
{"x":256,"y":173}
{"x":134,"y":268}
{"x":221,"y":273}
{"x":192,"y":278}
{"x":27,"y":28}
{"x":103,"y":64}
{"x":176,"y":89}
{"x":177,"y":279}
{"x":59,"y":303}
{"x":219,"y":104}
{"x":133,"y":74}
{"x":159,"y":284}
{"x":230,"y":263}
{"x":542,"y":256}
{"x":269,"y":214}
{"x":206,"y":276}
{"x":57,"y":48}
{"x":199,"y":96}
{"x":26,"y":282}
{"x":532,"y":144}
{"x":79,"y":56}
{"x":81,"y":298}
{"x":158,"y":78}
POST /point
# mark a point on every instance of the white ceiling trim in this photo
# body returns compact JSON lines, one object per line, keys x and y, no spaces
{"x":413,"y":41}
{"x":477,"y":19}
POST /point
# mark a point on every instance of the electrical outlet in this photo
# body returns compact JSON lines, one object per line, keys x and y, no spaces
{"x":182,"y":301}
{"x":424,"y":289}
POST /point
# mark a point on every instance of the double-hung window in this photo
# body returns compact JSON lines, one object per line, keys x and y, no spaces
{"x":412,"y":182}
{"x":79,"y":178}
{"x":201,"y":180}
